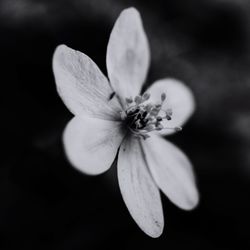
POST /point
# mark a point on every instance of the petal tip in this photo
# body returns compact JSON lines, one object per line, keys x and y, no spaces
{"x":192,"y":204}
{"x":59,"y":50}
{"x":131,"y":13}
{"x":157,"y":233}
{"x":154,"y":230}
{"x":130,"y":10}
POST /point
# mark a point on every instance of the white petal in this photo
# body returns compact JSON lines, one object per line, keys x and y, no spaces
{"x":128,"y":54}
{"x":92,"y":144}
{"x":172,"y":172}
{"x":179,"y":98}
{"x":138,"y":189}
{"x":82,"y":86}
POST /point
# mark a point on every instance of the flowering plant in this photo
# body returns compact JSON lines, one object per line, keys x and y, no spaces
{"x":113,"y":117}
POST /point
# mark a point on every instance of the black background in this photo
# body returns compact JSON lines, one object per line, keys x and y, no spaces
{"x":47,"y":204}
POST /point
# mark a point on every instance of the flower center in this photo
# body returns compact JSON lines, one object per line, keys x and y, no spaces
{"x":142,"y":117}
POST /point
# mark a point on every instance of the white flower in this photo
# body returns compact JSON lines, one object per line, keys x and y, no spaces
{"x":112,"y":117}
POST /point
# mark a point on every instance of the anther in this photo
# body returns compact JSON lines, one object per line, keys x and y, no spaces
{"x":129,"y":100}
{"x":159,"y":126}
{"x":138,"y":99}
{"x":145,"y":96}
{"x":178,"y":129}
{"x":154,"y":112}
{"x":150,"y":127}
{"x":168,"y":117}
{"x":169,"y":112}
{"x":163,"y":97}
{"x":145,"y":136}
{"x":148,"y":107}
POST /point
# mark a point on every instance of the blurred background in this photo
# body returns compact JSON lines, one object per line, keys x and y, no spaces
{"x":47,"y":204}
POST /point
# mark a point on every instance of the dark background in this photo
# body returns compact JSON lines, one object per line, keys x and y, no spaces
{"x":47,"y":204}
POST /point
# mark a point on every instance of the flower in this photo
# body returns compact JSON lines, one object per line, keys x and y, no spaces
{"x":111,"y":117}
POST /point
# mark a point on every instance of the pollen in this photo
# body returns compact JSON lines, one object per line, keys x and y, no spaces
{"x":142,"y":117}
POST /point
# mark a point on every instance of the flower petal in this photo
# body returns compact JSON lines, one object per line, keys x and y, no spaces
{"x":92,"y":144}
{"x":82,"y":86}
{"x":138,"y":189}
{"x":179,"y":99}
{"x":172,"y":172}
{"x":128,"y":54}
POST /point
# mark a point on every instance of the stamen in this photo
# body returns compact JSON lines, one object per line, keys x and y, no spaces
{"x":145,"y":96}
{"x":178,"y":129}
{"x":145,"y":136}
{"x":168,"y":117}
{"x":142,"y":118}
{"x":123,"y":115}
{"x":159,"y":126}
{"x":163,"y":97}
{"x":138,"y":99}
{"x":150,"y":127}
{"x":129,"y":100}
{"x":169,"y":112}
{"x":148,"y":107}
